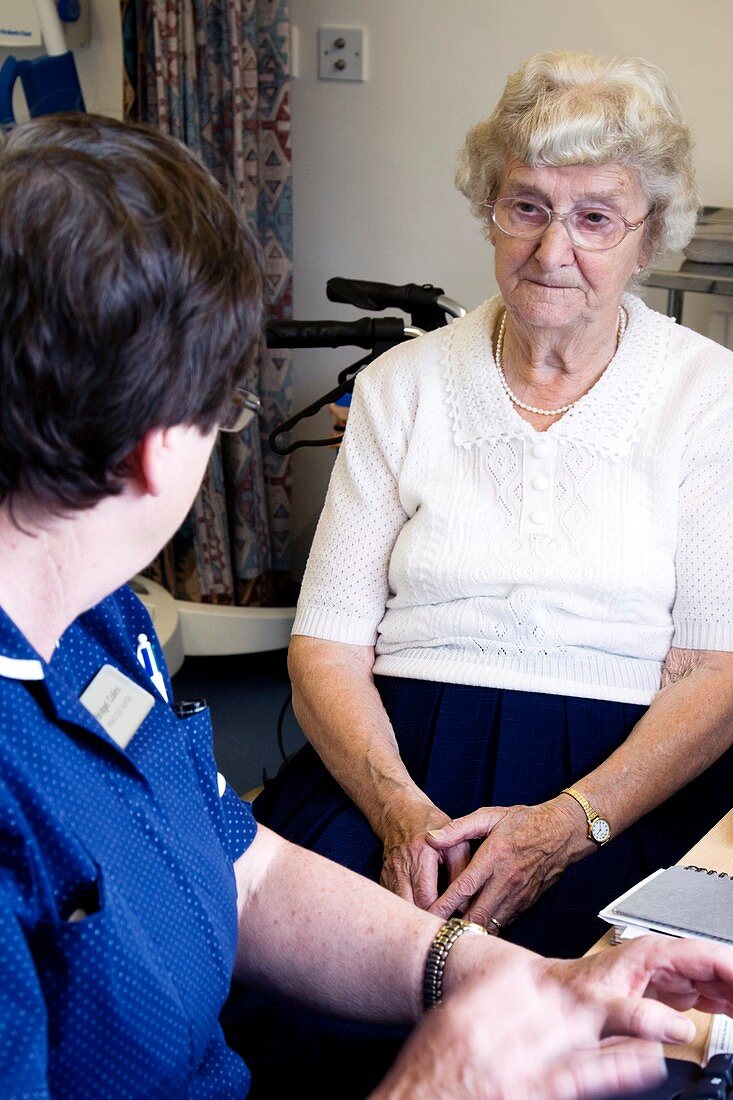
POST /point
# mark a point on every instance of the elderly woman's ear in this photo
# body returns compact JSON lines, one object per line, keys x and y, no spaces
{"x":647,"y":250}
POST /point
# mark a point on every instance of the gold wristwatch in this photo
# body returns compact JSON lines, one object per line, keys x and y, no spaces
{"x":598,"y":828}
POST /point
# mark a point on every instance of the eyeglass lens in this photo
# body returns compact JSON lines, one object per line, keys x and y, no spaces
{"x":590,"y":228}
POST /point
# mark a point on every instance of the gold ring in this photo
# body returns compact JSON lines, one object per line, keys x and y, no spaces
{"x":495,"y":923}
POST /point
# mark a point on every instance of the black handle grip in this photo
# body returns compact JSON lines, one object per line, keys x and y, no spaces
{"x":368,"y":295}
{"x":365,"y":333}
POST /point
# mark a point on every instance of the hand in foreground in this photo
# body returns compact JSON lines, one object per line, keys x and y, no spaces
{"x":516,"y":1038}
{"x":526,"y":849}
{"x":642,"y":986}
{"x":410,"y":867}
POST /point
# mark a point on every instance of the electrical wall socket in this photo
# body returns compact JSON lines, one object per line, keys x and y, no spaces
{"x":341,"y":53}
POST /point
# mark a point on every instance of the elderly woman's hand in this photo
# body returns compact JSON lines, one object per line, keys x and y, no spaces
{"x":410,"y":867}
{"x":526,"y":849}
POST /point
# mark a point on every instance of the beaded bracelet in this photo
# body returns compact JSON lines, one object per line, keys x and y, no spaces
{"x":453,"y":929}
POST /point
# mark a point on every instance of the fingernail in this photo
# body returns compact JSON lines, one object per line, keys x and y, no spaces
{"x":437,"y":833}
{"x":680,"y":1030}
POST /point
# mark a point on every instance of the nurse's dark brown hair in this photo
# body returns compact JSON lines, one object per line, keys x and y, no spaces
{"x":130,"y":299}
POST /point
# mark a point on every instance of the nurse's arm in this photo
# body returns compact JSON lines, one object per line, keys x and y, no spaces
{"x":328,"y":938}
{"x":316,"y":932}
{"x":321,"y":936}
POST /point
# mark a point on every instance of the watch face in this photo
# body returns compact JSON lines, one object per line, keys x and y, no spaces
{"x":600,"y":830}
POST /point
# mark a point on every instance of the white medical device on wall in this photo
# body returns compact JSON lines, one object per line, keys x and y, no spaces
{"x":20,"y":25}
{"x":50,"y":82}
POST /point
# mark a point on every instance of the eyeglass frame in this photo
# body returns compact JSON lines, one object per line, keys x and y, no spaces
{"x":630,"y":227}
{"x":248,"y":403}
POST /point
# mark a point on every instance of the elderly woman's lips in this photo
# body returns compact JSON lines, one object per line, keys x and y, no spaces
{"x":554,"y":286}
{"x":553,"y":289}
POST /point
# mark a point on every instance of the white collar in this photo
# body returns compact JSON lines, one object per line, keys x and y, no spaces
{"x":608,"y":419}
{"x":20,"y":668}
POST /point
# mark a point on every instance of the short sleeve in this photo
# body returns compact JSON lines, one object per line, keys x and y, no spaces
{"x":239,"y":825}
{"x":346,"y":586}
{"x":231,"y":817}
{"x":703,"y":607}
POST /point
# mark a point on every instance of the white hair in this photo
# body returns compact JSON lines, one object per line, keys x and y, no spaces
{"x":571,"y":108}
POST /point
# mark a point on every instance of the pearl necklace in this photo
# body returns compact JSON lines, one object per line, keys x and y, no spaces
{"x":621,"y":329}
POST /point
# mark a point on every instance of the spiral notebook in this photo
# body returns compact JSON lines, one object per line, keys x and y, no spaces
{"x":681,"y":901}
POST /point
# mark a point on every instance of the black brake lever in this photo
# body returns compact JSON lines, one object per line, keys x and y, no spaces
{"x":344,"y":387}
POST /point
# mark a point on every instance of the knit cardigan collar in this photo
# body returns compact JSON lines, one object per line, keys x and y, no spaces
{"x":608,"y":419}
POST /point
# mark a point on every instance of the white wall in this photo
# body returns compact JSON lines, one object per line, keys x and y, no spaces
{"x":373,"y":162}
{"x":100,"y":63}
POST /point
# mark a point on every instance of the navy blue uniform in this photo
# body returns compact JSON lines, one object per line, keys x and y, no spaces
{"x":137,"y":847}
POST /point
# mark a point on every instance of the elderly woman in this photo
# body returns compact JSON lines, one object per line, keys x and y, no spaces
{"x":512,"y":651}
{"x":133,"y":882}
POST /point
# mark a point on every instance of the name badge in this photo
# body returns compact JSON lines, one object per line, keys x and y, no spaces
{"x":118,"y":704}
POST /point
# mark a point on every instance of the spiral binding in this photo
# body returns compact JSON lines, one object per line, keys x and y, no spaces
{"x":707,"y":871}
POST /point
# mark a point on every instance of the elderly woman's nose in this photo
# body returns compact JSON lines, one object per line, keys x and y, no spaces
{"x":554,"y":246}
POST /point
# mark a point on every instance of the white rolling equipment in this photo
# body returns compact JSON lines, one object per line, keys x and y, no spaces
{"x":204,"y":630}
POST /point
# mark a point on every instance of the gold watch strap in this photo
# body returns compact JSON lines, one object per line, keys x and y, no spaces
{"x":599,"y":831}
{"x":590,"y":813}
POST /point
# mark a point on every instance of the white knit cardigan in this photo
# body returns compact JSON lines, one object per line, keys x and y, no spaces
{"x":470,"y":548}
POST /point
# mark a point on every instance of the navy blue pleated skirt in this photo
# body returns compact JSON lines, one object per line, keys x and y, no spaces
{"x":466,"y":747}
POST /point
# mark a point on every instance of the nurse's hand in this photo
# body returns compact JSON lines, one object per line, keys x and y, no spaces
{"x":411,"y":865}
{"x":514,"y":1037}
{"x":525,"y":850}
{"x":637,"y":984}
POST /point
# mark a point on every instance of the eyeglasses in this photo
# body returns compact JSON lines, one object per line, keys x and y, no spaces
{"x":243,"y":406}
{"x":591,"y":228}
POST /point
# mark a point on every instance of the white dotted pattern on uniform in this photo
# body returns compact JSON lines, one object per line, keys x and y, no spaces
{"x":124,"y":999}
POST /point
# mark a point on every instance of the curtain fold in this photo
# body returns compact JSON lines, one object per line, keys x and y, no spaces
{"x":215,"y":74}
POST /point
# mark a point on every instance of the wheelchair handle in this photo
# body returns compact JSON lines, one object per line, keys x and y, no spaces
{"x":368,"y":332}
{"x":423,"y":302}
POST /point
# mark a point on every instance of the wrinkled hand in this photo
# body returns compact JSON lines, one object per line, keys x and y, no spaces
{"x":500,"y":1038}
{"x":526,"y":849}
{"x":643,"y":985}
{"x":410,"y":867}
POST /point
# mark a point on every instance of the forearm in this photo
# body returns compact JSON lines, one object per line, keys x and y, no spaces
{"x":689,"y":724}
{"x":322,"y":936}
{"x":341,"y":714}
{"x":524,"y":849}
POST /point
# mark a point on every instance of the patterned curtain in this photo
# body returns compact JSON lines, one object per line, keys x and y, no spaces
{"x":215,"y":74}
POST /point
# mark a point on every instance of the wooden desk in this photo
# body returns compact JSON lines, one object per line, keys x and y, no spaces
{"x":714,"y":850}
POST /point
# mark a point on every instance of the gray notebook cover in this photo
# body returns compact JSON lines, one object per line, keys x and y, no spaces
{"x":682,"y":899}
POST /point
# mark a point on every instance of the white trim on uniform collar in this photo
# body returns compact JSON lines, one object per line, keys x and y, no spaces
{"x":20,"y":668}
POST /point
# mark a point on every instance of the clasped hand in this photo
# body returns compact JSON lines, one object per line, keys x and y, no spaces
{"x":523,"y":851}
{"x":410,"y":867}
